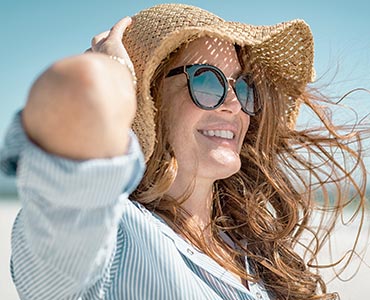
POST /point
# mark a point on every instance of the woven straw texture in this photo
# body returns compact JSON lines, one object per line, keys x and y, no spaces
{"x":285,"y":50}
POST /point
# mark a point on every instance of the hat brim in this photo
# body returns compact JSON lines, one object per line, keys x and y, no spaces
{"x":284,"y":50}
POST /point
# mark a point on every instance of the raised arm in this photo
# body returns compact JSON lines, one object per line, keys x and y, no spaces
{"x":82,"y":107}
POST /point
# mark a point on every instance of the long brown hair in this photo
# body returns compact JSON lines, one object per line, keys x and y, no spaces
{"x":267,"y":206}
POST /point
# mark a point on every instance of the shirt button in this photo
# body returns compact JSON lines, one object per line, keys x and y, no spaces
{"x":190,"y":251}
{"x":258,"y":295}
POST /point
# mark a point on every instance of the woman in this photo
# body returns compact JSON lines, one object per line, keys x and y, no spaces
{"x":222,"y":203}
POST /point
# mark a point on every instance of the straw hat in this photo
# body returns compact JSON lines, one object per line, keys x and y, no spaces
{"x":285,"y":50}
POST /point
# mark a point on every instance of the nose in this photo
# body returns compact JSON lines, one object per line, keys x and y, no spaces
{"x":231,"y":103}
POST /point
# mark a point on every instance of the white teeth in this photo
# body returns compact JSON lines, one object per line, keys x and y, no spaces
{"x":225,"y":134}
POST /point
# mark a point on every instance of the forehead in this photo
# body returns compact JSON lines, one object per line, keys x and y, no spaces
{"x":214,"y":51}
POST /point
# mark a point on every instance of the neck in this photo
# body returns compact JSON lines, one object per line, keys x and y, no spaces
{"x":198,"y":202}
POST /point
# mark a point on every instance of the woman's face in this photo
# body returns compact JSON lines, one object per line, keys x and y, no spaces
{"x":194,"y":132}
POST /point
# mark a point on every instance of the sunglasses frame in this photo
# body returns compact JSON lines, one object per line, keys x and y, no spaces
{"x":190,"y":70}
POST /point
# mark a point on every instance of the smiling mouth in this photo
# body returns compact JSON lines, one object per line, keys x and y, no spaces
{"x":224,"y":134}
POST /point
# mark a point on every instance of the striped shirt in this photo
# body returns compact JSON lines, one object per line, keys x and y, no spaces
{"x":78,"y":236}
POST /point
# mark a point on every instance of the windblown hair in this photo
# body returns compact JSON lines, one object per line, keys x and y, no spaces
{"x":266,"y":208}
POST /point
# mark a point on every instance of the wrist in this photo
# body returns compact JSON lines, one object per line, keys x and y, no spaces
{"x":129,"y":66}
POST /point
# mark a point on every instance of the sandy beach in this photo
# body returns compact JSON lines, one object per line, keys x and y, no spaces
{"x":358,"y":288}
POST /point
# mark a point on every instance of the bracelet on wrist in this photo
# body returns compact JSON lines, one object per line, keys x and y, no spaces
{"x":130,"y":67}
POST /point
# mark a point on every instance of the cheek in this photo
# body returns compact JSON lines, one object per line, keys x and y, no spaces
{"x":245,"y":121}
{"x":176,"y":125}
{"x":182,"y":133}
{"x":182,"y":126}
{"x":181,"y":117}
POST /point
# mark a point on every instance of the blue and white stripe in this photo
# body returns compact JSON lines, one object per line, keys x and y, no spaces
{"x":78,"y":236}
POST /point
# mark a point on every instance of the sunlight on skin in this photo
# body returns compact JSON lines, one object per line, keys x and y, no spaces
{"x":224,"y":156}
{"x":199,"y":156}
{"x":217,"y":48}
{"x":218,"y":158}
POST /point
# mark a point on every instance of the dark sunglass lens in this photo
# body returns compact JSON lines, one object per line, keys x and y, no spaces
{"x":208,"y":87}
{"x":245,"y":94}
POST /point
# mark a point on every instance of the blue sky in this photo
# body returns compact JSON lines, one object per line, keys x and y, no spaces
{"x":36,"y":33}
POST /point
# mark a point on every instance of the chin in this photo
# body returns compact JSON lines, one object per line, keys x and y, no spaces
{"x":226,"y":162}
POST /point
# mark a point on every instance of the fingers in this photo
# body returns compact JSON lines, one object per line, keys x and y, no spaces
{"x":119,"y":28}
{"x":110,"y":42}
{"x":98,"y":38}
{"x":115,"y":33}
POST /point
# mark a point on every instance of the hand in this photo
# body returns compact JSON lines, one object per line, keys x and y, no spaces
{"x":110,"y":42}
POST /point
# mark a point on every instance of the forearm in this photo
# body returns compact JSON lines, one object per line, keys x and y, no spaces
{"x":64,"y":238}
{"x":81,"y":108}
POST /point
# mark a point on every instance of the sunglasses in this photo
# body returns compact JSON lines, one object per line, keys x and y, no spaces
{"x":208,"y":87}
